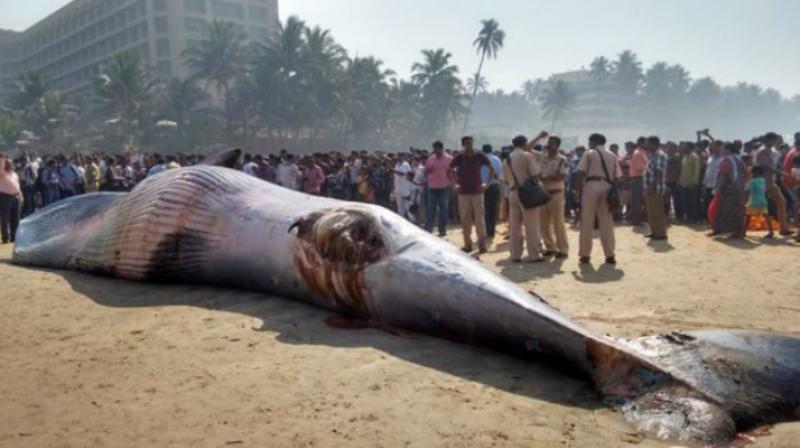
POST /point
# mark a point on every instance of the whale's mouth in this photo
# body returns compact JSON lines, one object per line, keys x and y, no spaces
{"x":333,"y":249}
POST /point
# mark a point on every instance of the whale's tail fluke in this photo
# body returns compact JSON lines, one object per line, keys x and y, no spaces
{"x":49,"y":237}
{"x":703,"y":387}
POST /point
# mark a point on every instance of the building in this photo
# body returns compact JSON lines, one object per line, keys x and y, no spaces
{"x":71,"y":45}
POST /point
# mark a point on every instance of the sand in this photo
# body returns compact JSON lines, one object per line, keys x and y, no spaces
{"x":88,"y":361}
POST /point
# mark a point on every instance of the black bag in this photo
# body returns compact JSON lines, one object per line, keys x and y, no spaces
{"x":531,"y":193}
{"x":614,"y":202}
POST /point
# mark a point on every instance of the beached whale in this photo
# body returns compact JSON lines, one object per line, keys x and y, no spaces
{"x":214,"y":225}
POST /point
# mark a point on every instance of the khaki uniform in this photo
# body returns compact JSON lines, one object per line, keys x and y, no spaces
{"x":594,"y":201}
{"x":525,"y":165}
{"x":471,"y":211}
{"x":552,"y":213}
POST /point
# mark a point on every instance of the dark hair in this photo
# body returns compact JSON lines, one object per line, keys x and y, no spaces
{"x":466,"y":138}
{"x":770,"y":136}
{"x":796,"y":161}
{"x":597,"y":139}
{"x":438,"y":145}
{"x":732,"y":148}
{"x":654,"y":140}
{"x":757,"y":171}
{"x":487,"y":149}
{"x":556,"y":139}
{"x":519,"y":141}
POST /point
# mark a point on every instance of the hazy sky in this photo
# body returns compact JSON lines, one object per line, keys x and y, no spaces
{"x":732,"y":40}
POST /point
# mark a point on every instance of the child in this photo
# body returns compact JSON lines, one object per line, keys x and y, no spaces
{"x":757,"y":205}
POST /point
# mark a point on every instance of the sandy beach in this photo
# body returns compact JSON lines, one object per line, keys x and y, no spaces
{"x":88,"y":361}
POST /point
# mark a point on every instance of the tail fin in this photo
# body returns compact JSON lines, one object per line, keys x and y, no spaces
{"x":708,"y":385}
{"x":49,"y":237}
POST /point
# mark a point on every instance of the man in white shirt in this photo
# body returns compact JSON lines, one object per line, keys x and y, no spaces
{"x":288,"y":174}
{"x":402,"y":186}
{"x":250,"y":167}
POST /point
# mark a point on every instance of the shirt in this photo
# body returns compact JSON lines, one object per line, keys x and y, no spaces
{"x":658,"y":162}
{"x":288,"y":175}
{"x":401,"y":170}
{"x":9,"y":183}
{"x":437,"y":171}
{"x":497,"y":164}
{"x":250,"y":168}
{"x":591,"y":164}
{"x":788,"y":164}
{"x":690,"y":170}
{"x":638,"y":162}
{"x":524,"y":165}
{"x":764,"y":158}
{"x":712,"y":172}
{"x":468,"y":172}
{"x":314,"y":178}
{"x":68,"y":176}
{"x":552,"y":166}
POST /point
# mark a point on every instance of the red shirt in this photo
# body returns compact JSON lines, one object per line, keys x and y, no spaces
{"x":468,"y":172}
{"x":788,"y":164}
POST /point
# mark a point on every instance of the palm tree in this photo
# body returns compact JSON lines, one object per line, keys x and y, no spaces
{"x":181,"y":99}
{"x":365,"y":98}
{"x":488,"y":43}
{"x":217,"y":60}
{"x":441,"y":90}
{"x":628,"y":73}
{"x":126,"y":89}
{"x":557,"y":101}
{"x":600,"y":71}
{"x":479,"y":86}
{"x":31,"y":86}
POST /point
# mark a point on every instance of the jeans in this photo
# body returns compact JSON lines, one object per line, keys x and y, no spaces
{"x":687,"y":204}
{"x":438,"y":198}
{"x":9,"y":217}
{"x":637,"y":201}
{"x":491,"y":203}
{"x":29,"y":198}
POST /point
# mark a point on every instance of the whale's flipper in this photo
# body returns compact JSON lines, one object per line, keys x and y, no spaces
{"x":709,"y":385}
{"x":49,"y":237}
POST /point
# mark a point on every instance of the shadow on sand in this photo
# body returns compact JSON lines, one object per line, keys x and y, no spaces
{"x":301,"y":324}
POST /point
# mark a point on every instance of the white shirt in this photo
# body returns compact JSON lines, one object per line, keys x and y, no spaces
{"x":402,"y":186}
{"x":288,"y":175}
{"x":250,"y":168}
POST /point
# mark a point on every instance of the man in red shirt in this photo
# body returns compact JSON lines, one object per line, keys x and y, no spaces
{"x":637,"y":167}
{"x":465,"y":176}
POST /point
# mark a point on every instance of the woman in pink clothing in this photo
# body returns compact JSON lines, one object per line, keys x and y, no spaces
{"x":9,"y":200}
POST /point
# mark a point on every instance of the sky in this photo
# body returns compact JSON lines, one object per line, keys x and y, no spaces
{"x":732,"y":40}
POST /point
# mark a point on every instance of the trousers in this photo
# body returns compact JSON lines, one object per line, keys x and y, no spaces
{"x":554,"y":232}
{"x":594,"y":205}
{"x":470,"y":210}
{"x":519,"y":217}
{"x":656,"y":217}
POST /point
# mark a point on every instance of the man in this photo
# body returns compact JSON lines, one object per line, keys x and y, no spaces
{"x":27,"y":181}
{"x":522,"y":165}
{"x":264,"y":170}
{"x":313,"y":177}
{"x":638,"y":165}
{"x":465,"y":175}
{"x":687,"y":206}
{"x":493,"y":193}
{"x":554,"y":174}
{"x":437,"y":170}
{"x":288,"y":174}
{"x":92,"y":175}
{"x":595,"y":185}
{"x":712,"y":173}
{"x":625,"y":180}
{"x":161,"y":165}
{"x":68,"y":176}
{"x":250,"y":167}
{"x":573,"y":197}
{"x":402,"y":187}
{"x":765,"y":157}
{"x":673,"y":173}
{"x":655,"y":181}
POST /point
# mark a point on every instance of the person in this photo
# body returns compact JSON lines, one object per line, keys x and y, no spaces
{"x":573,"y":208}
{"x":494,"y":191}
{"x":687,"y":206}
{"x":711,"y":173}
{"x":27,"y":181}
{"x":402,"y":187}
{"x":673,"y":174}
{"x":50,"y":182}
{"x":313,"y":177}
{"x":554,"y":174}
{"x":795,"y":175}
{"x":638,"y":164}
{"x":465,"y":175}
{"x":288,"y":174}
{"x":595,"y":185}
{"x":730,"y":216}
{"x":656,"y":186}
{"x":10,"y":194}
{"x":437,"y":168}
{"x":757,"y":206}
{"x":521,"y":165}
{"x":264,"y":169}
{"x":92,"y":176}
{"x":250,"y":166}
{"x":625,"y":180}
{"x":161,"y":165}
{"x":765,"y":158}
{"x":787,"y":180}
{"x":68,"y":176}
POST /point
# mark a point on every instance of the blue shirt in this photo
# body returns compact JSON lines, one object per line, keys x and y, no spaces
{"x":68,"y":176}
{"x":497,"y":164}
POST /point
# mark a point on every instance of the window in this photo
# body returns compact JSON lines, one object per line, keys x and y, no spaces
{"x":195,"y":25}
{"x":195,"y":6}
{"x":162,"y":47}
{"x":227,"y":10}
{"x":160,"y":5}
{"x":162,"y":27}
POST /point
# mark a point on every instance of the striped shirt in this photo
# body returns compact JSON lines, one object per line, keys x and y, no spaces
{"x":657,"y":162}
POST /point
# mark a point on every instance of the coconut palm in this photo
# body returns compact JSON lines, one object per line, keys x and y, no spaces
{"x":182,"y":98}
{"x":441,"y":91}
{"x":125,"y":88}
{"x":488,"y":43}
{"x":481,"y":85}
{"x":600,"y":70}
{"x":627,"y":71}
{"x":557,"y":101}
{"x":217,"y":60}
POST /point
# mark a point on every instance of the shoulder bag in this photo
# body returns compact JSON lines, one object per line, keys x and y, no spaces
{"x":531,"y":193}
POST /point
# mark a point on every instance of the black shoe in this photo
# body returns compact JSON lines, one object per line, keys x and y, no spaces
{"x":611,"y":260}
{"x":466,"y":249}
{"x":658,"y":238}
{"x":549,"y":253}
{"x":585,"y":260}
{"x":561,"y":256}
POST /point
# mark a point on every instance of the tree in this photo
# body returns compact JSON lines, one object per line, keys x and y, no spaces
{"x":9,"y":130}
{"x":365,"y":99}
{"x":627,"y":72}
{"x":217,"y":60}
{"x":557,"y":101}
{"x":31,"y":87}
{"x":126,"y":89}
{"x":182,"y":98}
{"x":489,"y":41}
{"x":481,"y":85}
{"x":441,"y":91}
{"x":600,"y":70}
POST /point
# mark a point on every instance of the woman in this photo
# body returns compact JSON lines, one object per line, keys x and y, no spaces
{"x":9,"y":200}
{"x":730,"y":216}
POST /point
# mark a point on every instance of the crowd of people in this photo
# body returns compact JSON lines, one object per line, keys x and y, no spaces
{"x":728,"y":185}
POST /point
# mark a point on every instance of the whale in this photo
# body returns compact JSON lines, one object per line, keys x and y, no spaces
{"x":213,"y":225}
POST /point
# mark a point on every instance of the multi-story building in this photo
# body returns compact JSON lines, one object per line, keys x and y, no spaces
{"x":71,"y":45}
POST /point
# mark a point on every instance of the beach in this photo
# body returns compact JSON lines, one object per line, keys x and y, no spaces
{"x":89,"y":361}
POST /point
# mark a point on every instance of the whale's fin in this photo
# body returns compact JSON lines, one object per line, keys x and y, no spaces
{"x":49,"y":237}
{"x":703,"y":387}
{"x":226,"y":159}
